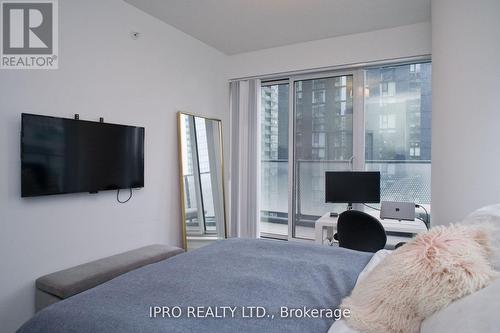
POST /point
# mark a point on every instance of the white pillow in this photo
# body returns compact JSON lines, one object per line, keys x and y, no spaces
{"x":374,"y":261}
{"x":474,"y":313}
{"x":340,"y":326}
{"x":491,"y":215}
{"x":478,"y":312}
{"x":420,"y":278}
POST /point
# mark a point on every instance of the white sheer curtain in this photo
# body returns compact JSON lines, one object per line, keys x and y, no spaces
{"x":245,"y":158}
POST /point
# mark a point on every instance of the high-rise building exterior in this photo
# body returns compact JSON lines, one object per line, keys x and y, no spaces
{"x":323,"y":139}
{"x":398,"y":113}
{"x":397,"y":137}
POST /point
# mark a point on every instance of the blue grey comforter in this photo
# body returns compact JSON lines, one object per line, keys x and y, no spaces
{"x":235,"y":273}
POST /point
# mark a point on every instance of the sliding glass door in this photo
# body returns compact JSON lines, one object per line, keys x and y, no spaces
{"x":323,"y":140}
{"x":374,"y":118}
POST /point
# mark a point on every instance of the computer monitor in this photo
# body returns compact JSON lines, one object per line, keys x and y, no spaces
{"x":352,"y":187}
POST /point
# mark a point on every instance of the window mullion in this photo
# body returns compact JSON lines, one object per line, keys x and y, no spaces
{"x":291,"y":158}
{"x":358,"y":121}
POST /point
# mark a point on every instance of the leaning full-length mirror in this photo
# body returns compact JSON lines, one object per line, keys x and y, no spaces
{"x":202,"y":183}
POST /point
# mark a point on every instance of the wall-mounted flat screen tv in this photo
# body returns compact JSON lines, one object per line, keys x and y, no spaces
{"x":60,"y":155}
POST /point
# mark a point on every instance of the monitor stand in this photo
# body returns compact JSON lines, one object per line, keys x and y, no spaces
{"x":335,"y":214}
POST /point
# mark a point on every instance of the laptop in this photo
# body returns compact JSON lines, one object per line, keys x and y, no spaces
{"x":397,"y":210}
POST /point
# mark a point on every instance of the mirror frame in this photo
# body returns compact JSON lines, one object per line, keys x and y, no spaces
{"x":181,"y":174}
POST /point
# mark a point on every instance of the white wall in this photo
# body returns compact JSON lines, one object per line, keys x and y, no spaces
{"x":143,"y":82}
{"x":465,"y":107}
{"x":103,"y":72}
{"x":399,"y":42}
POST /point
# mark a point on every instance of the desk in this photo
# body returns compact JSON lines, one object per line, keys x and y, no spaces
{"x":407,"y":229}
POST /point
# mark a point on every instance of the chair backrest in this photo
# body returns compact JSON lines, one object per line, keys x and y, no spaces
{"x":360,"y":231}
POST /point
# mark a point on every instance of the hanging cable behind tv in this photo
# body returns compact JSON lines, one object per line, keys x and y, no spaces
{"x":118,"y":196}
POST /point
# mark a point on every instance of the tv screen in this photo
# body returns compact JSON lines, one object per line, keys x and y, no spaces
{"x":352,"y":187}
{"x":61,"y":155}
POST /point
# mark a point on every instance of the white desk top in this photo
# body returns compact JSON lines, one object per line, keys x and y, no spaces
{"x":412,"y":227}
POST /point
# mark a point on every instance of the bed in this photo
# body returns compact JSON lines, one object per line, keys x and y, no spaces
{"x":232,"y":274}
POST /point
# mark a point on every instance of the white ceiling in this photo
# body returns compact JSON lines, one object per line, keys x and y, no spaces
{"x":236,"y":26}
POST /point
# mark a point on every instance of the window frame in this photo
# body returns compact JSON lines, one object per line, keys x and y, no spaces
{"x":358,"y":159}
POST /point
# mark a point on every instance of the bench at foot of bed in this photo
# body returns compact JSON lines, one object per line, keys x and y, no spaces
{"x":57,"y":286}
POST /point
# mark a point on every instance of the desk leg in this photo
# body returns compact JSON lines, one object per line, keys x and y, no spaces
{"x":319,"y":233}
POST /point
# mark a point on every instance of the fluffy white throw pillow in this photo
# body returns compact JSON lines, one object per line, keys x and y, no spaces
{"x":420,"y":278}
{"x":339,"y":326}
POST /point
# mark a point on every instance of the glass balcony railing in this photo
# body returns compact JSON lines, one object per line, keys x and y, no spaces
{"x":404,"y":180}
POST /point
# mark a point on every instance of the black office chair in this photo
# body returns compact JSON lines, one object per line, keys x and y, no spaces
{"x":360,"y":231}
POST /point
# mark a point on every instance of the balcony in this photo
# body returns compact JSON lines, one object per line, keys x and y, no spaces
{"x":405,"y":180}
